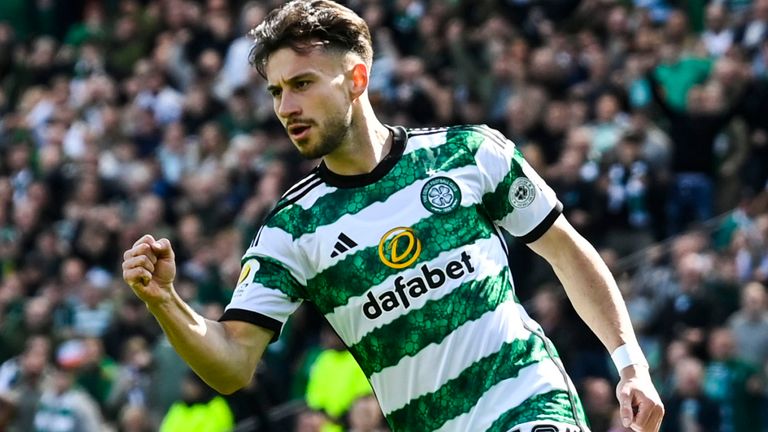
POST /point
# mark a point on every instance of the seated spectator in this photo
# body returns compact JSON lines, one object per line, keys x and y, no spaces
{"x":577,"y":194}
{"x":717,"y":36}
{"x":130,"y":321}
{"x":92,"y":310}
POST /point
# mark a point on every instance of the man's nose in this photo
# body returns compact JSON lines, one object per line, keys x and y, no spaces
{"x":288,"y":106}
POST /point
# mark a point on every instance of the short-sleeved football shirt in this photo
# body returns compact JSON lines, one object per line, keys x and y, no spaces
{"x":408,"y":265}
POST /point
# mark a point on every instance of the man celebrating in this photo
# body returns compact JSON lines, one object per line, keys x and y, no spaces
{"x":395,"y":238}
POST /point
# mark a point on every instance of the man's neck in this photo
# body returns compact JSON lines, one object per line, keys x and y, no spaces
{"x":367,"y":143}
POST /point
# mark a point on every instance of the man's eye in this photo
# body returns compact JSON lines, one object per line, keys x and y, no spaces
{"x":275,"y":92}
{"x":302,"y":84}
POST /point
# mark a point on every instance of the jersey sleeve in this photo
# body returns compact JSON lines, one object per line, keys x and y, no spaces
{"x":270,"y":287}
{"x":514,"y":195}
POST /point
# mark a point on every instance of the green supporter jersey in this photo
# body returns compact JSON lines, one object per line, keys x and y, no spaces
{"x":408,"y":265}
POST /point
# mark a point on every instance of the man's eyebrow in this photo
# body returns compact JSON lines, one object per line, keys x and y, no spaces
{"x":307,"y":74}
{"x":298,"y":77}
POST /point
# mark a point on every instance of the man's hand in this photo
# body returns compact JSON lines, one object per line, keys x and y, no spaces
{"x":149,"y":268}
{"x":639,"y":404}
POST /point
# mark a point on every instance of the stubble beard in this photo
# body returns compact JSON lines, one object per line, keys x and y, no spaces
{"x":335,"y":131}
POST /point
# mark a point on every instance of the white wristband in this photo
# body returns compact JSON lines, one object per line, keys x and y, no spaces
{"x":626,"y":355}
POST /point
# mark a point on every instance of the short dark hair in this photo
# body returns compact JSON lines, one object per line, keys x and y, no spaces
{"x":300,"y":23}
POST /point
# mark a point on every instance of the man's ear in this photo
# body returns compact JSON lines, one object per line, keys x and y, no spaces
{"x":359,"y":79}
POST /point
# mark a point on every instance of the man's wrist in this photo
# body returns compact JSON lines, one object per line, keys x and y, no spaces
{"x":163,"y":301}
{"x":628,"y":355}
{"x":634,"y":371}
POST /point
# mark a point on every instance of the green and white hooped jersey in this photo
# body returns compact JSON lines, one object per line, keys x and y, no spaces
{"x":408,"y":265}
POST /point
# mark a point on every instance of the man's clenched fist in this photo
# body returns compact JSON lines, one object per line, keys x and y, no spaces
{"x":149,"y":268}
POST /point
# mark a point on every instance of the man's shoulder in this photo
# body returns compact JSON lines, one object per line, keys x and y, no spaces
{"x":469,"y":135}
{"x":483,"y":129}
{"x":300,"y":191}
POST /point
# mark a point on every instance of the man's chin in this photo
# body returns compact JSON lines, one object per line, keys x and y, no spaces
{"x":309,"y":152}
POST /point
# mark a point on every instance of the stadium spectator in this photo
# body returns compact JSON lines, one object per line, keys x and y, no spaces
{"x":675,"y":352}
{"x":32,"y":318}
{"x":688,"y":408}
{"x":733,"y":384}
{"x":22,"y":380}
{"x":749,"y":325}
{"x":688,"y":314}
{"x":94,"y":372}
{"x":599,"y":402}
{"x":627,"y":187}
{"x":693,"y":132}
{"x":365,"y":416}
{"x":132,"y":380}
{"x":63,"y":406}
{"x":135,"y":418}
{"x":200,"y":408}
{"x":335,"y":379}
{"x":310,"y":421}
{"x":718,"y":36}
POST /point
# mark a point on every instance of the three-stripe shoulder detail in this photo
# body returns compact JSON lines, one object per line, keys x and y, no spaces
{"x":307,"y":182}
{"x":294,"y":194}
{"x":297,"y":192}
{"x":492,"y":134}
{"x":426,"y":131}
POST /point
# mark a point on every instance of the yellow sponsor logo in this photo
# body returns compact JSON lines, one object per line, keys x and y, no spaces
{"x":244,"y":273}
{"x":399,"y":248}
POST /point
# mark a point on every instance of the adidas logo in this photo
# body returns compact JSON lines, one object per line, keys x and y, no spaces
{"x":343,"y":244}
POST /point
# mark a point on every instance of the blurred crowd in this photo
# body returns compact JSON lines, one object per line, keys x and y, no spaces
{"x":118,"y":118}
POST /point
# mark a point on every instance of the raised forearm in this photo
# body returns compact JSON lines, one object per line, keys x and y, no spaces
{"x":658,"y":96}
{"x":223,"y":354}
{"x":204,"y":345}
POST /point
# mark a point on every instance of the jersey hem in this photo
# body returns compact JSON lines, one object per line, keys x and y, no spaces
{"x":254,"y":318}
{"x":542,"y":227}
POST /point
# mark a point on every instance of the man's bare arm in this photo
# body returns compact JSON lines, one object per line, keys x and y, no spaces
{"x":223,"y":354}
{"x":596,"y":298}
{"x":588,"y":283}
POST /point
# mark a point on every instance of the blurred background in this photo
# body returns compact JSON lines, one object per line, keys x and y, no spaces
{"x":122,"y":117}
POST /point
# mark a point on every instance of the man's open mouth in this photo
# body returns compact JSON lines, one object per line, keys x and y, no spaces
{"x":298,"y":131}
